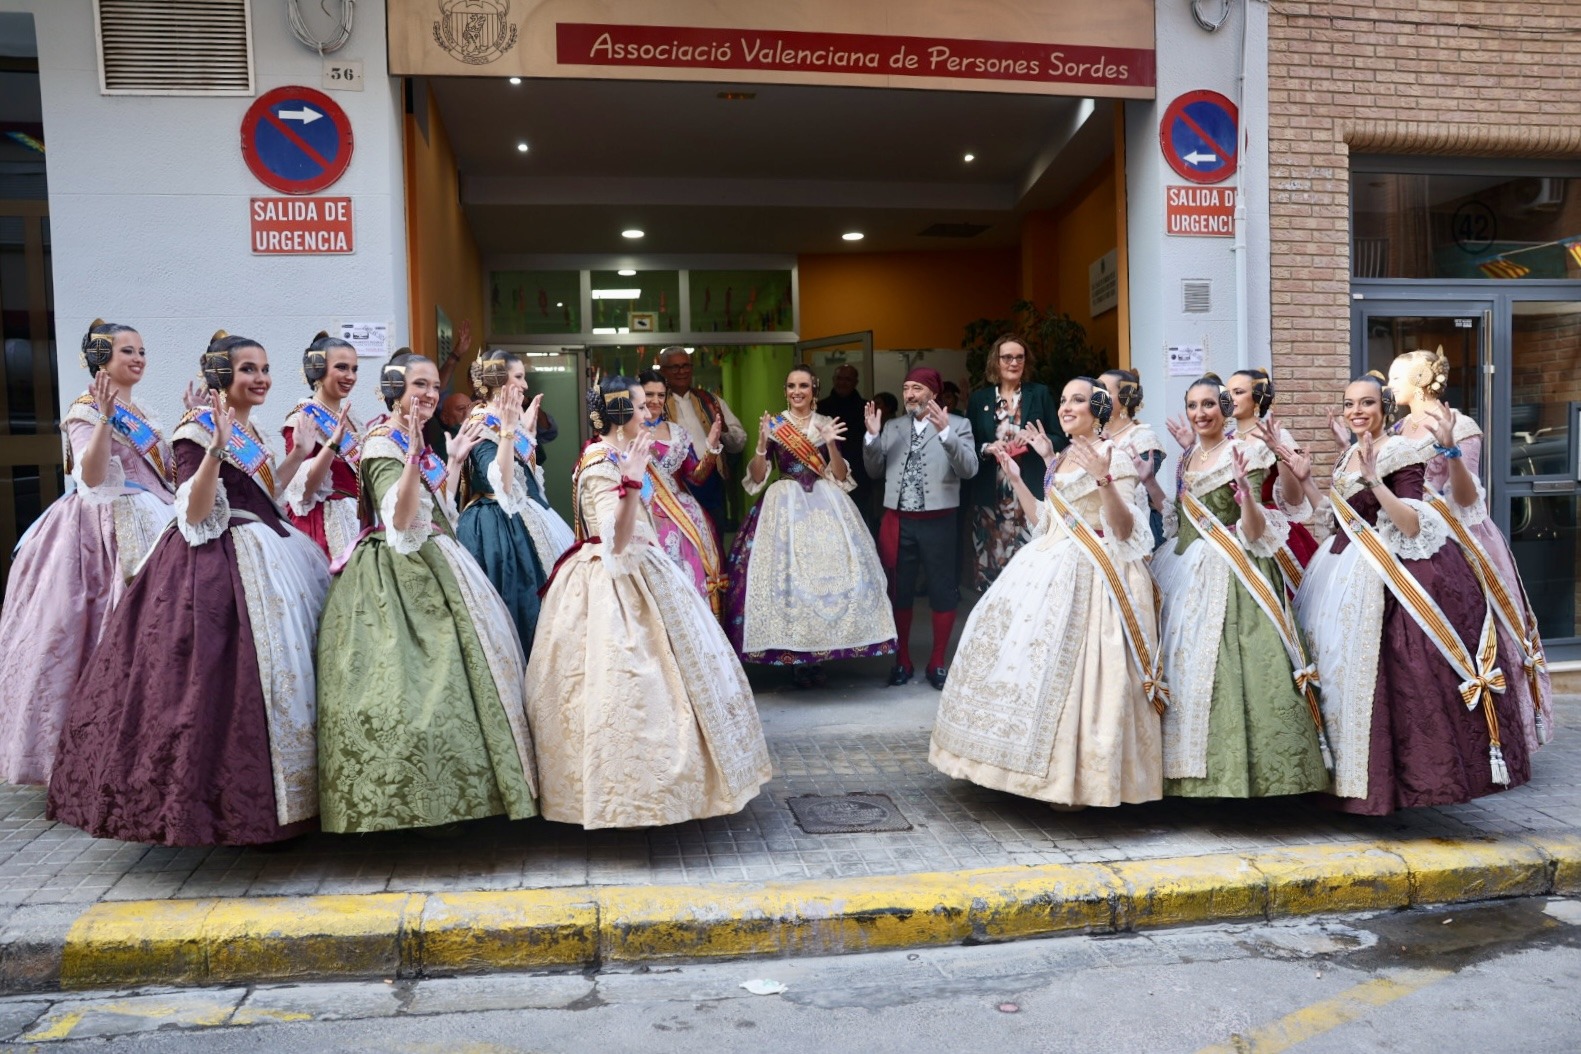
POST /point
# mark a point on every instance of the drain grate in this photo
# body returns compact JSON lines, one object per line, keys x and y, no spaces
{"x":846,"y":813}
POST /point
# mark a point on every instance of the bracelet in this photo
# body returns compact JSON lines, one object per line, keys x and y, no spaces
{"x":626,"y":486}
{"x":1368,"y":484}
{"x":100,"y":418}
{"x":1450,"y":452}
{"x":715,"y":451}
{"x":763,"y":453}
{"x":217,"y":453}
{"x":1104,"y":481}
{"x":414,"y":458}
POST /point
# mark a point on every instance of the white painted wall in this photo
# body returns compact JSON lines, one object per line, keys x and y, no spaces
{"x":1190,"y":59}
{"x":149,"y":210}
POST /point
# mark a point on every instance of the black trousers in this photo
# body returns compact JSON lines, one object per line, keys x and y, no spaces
{"x":928,"y":546}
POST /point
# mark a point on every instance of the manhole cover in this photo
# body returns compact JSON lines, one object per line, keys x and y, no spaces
{"x":846,"y":813}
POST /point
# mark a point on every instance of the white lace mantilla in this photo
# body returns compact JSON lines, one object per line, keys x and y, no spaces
{"x":211,"y":526}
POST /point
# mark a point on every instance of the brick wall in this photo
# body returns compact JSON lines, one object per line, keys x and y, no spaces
{"x":1441,"y":77}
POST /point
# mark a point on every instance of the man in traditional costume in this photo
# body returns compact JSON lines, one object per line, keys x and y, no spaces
{"x":695,"y":409}
{"x":922,"y":456}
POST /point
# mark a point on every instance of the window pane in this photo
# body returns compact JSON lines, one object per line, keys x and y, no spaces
{"x":1545,"y":384}
{"x":1409,"y":225}
{"x":524,"y":302}
{"x":741,"y":301}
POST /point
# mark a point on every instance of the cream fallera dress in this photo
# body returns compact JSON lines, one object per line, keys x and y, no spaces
{"x":640,"y":710}
{"x":1044,"y":699}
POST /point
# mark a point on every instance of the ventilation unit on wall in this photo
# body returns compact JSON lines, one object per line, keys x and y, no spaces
{"x":1196,"y":296}
{"x":175,"y":47}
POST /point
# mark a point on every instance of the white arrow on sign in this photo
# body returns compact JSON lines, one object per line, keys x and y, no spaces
{"x":1192,"y":158}
{"x":307,"y":115}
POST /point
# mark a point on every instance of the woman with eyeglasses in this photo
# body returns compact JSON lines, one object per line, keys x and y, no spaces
{"x":1002,"y":416}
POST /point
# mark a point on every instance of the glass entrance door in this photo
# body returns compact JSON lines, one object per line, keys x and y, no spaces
{"x":1537,"y":495}
{"x":1461,"y":328}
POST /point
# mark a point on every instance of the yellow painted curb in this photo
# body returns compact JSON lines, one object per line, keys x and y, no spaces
{"x":467,"y":932}
{"x":1179,"y":890}
{"x":390,"y":934}
{"x":1317,"y":878}
{"x":1453,"y":870}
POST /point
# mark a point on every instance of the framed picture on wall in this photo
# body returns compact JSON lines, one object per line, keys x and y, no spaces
{"x":643,"y":321}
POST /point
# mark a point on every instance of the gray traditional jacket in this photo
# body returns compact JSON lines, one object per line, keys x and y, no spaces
{"x":944,"y":462}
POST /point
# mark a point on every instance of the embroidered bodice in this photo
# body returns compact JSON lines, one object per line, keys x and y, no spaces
{"x":1215,"y":488}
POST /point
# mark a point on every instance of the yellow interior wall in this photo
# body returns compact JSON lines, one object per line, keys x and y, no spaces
{"x":908,"y":299}
{"x":1058,"y":244}
{"x":444,"y":266}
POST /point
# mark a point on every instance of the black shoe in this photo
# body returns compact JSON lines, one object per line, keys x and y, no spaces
{"x":899,"y":675}
{"x":802,"y":676}
{"x":818,"y":678}
{"x":936,"y":677}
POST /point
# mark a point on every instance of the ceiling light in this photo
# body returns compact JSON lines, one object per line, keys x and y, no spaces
{"x":559,"y":303}
{"x":516,"y":80}
{"x":603,"y":329}
{"x":521,"y":148}
{"x":969,"y":158}
{"x":631,"y":232}
{"x":616,"y":294}
{"x":625,"y":272}
{"x":852,"y":236}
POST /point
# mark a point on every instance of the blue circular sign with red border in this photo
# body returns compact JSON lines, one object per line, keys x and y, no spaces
{"x":296,"y":140}
{"x":1200,"y":134}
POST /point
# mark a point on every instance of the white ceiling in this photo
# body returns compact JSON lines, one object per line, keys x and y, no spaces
{"x":785,"y":172}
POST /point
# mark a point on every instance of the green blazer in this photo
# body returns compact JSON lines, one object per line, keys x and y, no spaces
{"x":1037,"y":404}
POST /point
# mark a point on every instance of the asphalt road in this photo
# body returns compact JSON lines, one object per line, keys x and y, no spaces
{"x":1486,"y":978}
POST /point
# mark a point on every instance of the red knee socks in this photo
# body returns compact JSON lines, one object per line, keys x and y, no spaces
{"x":903,"y":637}
{"x":943,"y":623}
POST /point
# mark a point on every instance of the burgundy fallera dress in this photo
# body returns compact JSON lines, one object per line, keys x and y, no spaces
{"x":1423,"y":746}
{"x":167,"y":739}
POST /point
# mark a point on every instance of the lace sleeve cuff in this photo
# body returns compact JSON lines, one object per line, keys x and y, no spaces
{"x":847,"y":485}
{"x":623,"y":563}
{"x":1472,"y":514}
{"x":211,"y":526}
{"x":514,"y":502}
{"x":1171,"y":518}
{"x":108,"y":490}
{"x":412,"y":539}
{"x":749,"y":486}
{"x":1045,"y":520}
{"x":1276,"y":532}
{"x":1139,"y":542}
{"x":298,"y":501}
{"x":1301,"y":512}
{"x":1430,"y":535}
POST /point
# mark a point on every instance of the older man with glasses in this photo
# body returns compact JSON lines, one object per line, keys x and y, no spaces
{"x":695,"y":410}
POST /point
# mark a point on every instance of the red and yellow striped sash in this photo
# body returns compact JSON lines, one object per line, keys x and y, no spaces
{"x":1480,"y":676}
{"x":795,"y":440}
{"x":1271,"y":600}
{"x":675,"y":512}
{"x":1136,"y":635}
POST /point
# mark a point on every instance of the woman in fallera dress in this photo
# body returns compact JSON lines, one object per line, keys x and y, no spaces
{"x":497,"y":491}
{"x":682,"y":525}
{"x":192,"y":722}
{"x":806,"y":585}
{"x":73,"y":566}
{"x":1137,"y":439}
{"x":421,"y":716}
{"x":1241,"y":723}
{"x":1414,"y":666}
{"x":1417,"y":380}
{"x":1054,"y":693}
{"x":322,"y":499}
{"x":641,"y":711}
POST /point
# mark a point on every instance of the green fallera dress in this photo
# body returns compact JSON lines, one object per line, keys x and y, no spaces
{"x":422,"y":715}
{"x":1236,"y":726}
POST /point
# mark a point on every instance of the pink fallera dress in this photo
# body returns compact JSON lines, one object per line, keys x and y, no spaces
{"x":70,"y":571}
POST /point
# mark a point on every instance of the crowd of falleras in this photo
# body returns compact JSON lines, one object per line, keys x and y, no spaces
{"x":205,"y":642}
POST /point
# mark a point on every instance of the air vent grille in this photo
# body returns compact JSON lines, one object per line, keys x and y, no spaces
{"x":953,"y":230}
{"x":175,"y":47}
{"x":1196,"y":296}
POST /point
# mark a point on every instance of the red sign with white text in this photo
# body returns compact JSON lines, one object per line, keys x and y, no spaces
{"x":690,"y":47}
{"x":301,"y":226}
{"x":1202,"y":212}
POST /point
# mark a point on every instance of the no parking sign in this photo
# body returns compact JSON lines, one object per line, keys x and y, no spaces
{"x":296,"y":140}
{"x":1199,"y":134}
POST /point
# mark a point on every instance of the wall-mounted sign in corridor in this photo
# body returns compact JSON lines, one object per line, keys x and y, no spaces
{"x":1199,"y":136}
{"x":1083,"y":49}
{"x":296,"y":140}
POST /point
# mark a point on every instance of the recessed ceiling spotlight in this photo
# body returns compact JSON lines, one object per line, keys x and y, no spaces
{"x":559,"y":303}
{"x":521,"y":148}
{"x":626,"y":272}
{"x":852,"y":236}
{"x":516,"y":80}
{"x":969,"y":158}
{"x":631,"y":232}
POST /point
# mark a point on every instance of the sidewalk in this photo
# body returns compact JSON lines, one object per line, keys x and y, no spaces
{"x":975,"y":865}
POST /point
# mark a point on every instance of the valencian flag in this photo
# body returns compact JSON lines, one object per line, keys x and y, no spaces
{"x":1501,"y":267}
{"x":1573,"y":247}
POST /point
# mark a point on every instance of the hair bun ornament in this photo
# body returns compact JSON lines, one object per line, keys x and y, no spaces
{"x":392,"y":377}
{"x":97,"y":348}
{"x":595,"y":412}
{"x":490,"y":371}
{"x":1100,"y":402}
